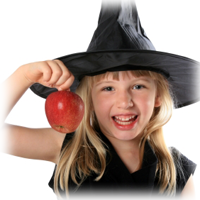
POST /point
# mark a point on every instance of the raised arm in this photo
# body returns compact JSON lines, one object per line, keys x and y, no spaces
{"x":25,"y":142}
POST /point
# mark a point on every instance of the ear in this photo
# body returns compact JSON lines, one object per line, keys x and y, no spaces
{"x":158,"y":101}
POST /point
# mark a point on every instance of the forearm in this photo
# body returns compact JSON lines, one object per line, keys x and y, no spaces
{"x":13,"y":88}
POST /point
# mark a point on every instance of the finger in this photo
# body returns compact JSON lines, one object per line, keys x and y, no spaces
{"x":56,"y":72}
{"x":66,"y":74}
{"x":59,"y":62}
{"x":46,"y":71}
{"x":67,"y":84}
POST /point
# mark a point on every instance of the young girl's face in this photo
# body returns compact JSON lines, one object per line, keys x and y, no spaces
{"x":123,"y":107}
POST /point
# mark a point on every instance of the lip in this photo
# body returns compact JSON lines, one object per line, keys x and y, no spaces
{"x":125,"y":127}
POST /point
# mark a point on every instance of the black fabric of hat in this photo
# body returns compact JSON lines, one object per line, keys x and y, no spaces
{"x":120,"y":43}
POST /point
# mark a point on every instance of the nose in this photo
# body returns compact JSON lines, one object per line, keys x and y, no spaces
{"x":124,"y":100}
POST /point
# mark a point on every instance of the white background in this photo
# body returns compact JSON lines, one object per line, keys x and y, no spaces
{"x":46,"y":29}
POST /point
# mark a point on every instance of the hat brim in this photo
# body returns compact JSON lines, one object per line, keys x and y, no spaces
{"x":181,"y":72}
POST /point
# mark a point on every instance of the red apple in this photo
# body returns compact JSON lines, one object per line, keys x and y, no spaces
{"x":64,"y":111}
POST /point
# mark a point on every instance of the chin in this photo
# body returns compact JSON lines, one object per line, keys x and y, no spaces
{"x":125,"y":136}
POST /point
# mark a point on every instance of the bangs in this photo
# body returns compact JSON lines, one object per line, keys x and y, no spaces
{"x":134,"y":73}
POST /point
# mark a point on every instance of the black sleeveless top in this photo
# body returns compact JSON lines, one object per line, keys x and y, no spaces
{"x":117,"y":180}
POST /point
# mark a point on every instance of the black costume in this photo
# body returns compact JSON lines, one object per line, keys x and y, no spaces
{"x":117,"y":179}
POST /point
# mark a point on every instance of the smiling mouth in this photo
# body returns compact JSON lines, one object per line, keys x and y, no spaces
{"x":125,"y":121}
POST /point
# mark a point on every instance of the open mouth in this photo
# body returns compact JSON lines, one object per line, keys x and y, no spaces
{"x":125,"y":120}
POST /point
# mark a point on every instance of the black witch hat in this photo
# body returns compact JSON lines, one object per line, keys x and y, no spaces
{"x":120,"y":43}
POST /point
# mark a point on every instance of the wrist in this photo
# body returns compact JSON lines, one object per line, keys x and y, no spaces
{"x":23,"y":71}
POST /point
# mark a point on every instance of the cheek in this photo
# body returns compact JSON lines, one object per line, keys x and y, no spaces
{"x":147,"y":105}
{"x":101,"y":106}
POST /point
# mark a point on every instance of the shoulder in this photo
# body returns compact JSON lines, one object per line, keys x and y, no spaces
{"x":179,"y":159}
{"x":184,"y":168}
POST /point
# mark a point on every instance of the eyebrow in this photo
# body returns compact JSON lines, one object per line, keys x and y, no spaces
{"x":102,"y":82}
{"x":146,"y":79}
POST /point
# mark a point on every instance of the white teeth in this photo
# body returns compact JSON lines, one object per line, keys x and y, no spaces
{"x":123,"y":123}
{"x":124,"y":119}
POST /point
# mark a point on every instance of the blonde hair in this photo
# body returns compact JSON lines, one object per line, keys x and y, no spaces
{"x":86,"y":153}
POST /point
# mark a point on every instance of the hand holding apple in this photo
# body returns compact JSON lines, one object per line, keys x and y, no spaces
{"x":64,"y":111}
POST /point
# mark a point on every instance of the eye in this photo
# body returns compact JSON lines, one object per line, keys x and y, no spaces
{"x":108,"y":89}
{"x":138,"y":87}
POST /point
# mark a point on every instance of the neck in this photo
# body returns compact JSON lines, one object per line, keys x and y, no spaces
{"x":124,"y":146}
{"x":128,"y":151}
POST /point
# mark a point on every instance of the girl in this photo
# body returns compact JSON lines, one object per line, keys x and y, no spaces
{"x":119,"y":142}
{"x":113,"y":141}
